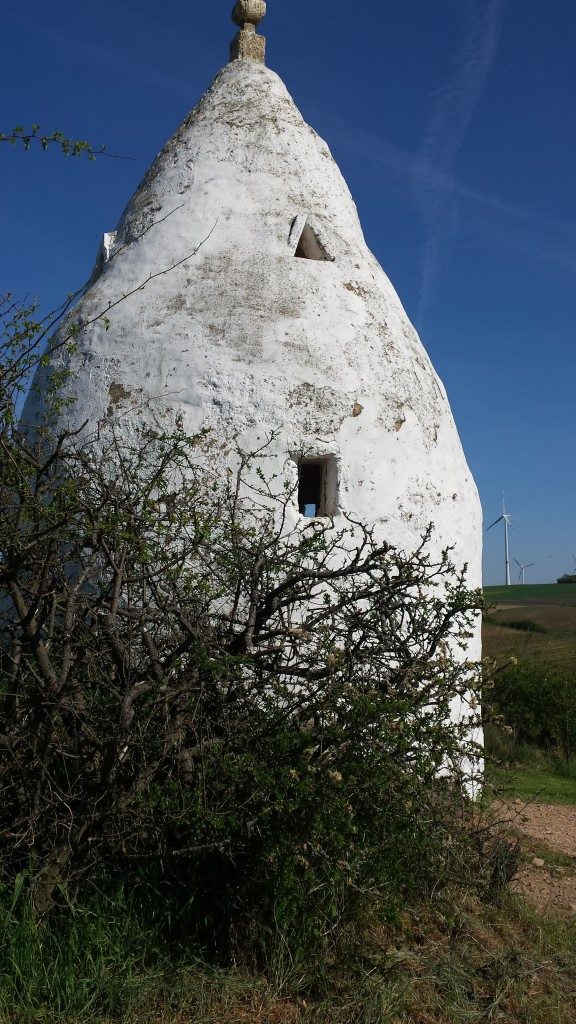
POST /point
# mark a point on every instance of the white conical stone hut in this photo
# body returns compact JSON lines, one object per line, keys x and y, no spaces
{"x":282,"y":322}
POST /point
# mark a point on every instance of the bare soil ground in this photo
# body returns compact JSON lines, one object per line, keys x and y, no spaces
{"x":547,"y":874}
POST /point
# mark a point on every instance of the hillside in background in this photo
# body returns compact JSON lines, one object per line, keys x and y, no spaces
{"x":531,"y":620}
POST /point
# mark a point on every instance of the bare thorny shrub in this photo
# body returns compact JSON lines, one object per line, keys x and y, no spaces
{"x":249,"y":721}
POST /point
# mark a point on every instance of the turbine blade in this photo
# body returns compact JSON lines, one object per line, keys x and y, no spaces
{"x":499,"y":520}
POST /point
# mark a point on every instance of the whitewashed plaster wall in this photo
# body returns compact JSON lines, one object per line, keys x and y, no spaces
{"x":244,"y":337}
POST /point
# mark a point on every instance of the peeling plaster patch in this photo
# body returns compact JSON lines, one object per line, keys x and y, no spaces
{"x":291,"y":311}
{"x":217,"y":330}
{"x":176,"y":304}
{"x":117,"y":393}
{"x":357,"y":289}
{"x":399,"y":423}
{"x":357,"y":409}
{"x":321,"y":408}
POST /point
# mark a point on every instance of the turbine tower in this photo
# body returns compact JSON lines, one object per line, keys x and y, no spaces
{"x":505,"y":518}
{"x":522,"y":569}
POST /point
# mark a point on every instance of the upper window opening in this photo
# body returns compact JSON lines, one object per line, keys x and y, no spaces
{"x":317,"y":487}
{"x":308,"y":244}
{"x":310,"y":247}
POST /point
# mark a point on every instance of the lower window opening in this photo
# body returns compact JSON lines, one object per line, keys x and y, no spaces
{"x":317,"y":487}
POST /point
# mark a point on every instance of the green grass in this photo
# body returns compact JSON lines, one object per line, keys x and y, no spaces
{"x":552,"y":858}
{"x":462,"y":961}
{"x":96,"y":960}
{"x":537,"y":593}
{"x":534,"y":784}
{"x":524,"y":771}
{"x":472,"y":963}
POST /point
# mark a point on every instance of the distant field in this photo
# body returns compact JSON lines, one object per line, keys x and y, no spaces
{"x":537,"y":593}
{"x":552,"y":607}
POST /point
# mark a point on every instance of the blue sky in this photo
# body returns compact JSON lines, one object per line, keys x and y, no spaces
{"x":453,"y":122}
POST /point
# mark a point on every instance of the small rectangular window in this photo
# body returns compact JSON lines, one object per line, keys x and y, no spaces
{"x":317,"y":486}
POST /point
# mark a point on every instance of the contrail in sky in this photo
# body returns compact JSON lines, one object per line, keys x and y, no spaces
{"x":497,"y":222}
{"x":451,"y":116}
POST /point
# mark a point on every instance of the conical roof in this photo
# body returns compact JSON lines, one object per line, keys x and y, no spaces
{"x":241,"y":294}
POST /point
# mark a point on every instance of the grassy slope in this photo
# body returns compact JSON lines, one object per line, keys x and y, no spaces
{"x":476,"y":962}
{"x":550,"y":606}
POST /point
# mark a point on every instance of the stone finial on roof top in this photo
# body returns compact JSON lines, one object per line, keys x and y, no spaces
{"x":247,"y":45}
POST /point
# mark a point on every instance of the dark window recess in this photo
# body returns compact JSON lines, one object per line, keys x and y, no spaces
{"x":316,"y":487}
{"x":310,"y":247}
{"x":310,"y":488}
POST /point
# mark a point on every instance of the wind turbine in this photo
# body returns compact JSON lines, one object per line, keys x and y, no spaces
{"x":522,"y":568}
{"x":505,"y":518}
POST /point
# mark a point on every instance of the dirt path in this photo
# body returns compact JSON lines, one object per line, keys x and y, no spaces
{"x":547,"y":873}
